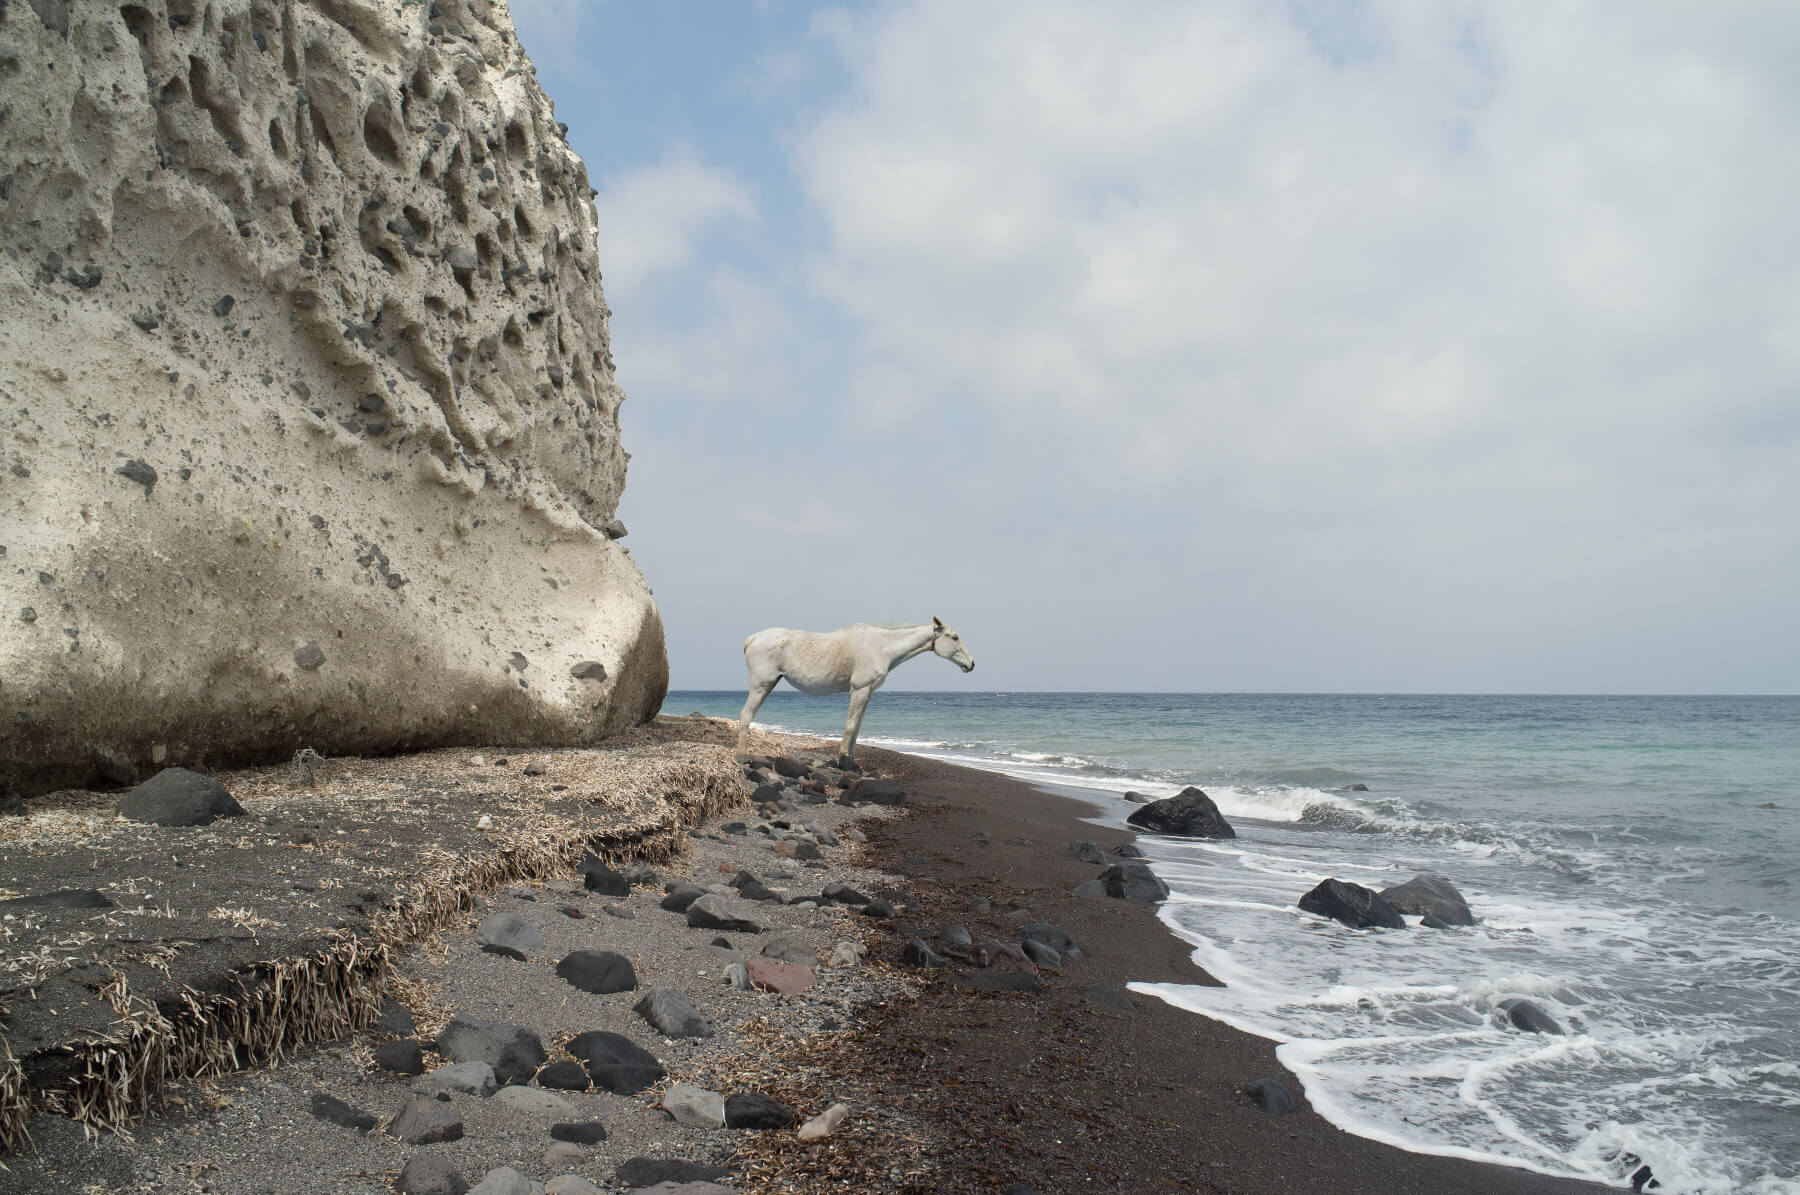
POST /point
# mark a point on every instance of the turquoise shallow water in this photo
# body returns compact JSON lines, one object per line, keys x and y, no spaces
{"x":1632,"y":858}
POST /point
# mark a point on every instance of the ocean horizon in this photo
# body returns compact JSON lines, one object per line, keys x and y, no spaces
{"x":1629,"y":857}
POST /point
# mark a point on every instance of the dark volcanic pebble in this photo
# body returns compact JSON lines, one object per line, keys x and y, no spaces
{"x":68,"y":898}
{"x":395,"y":1019}
{"x":843,"y":894}
{"x":1051,"y":936}
{"x":1087,"y":852}
{"x":512,"y":1050}
{"x":426,"y":1122}
{"x":1134,"y":881}
{"x":647,"y":1172}
{"x":1271,"y":1095}
{"x":955,"y":940}
{"x":998,"y":981}
{"x":598,"y":877}
{"x":680,"y":895}
{"x":672,"y":1014}
{"x":879,"y":908}
{"x":1041,"y":954}
{"x":511,"y":931}
{"x":734,"y":828}
{"x":178,"y":797}
{"x":793,"y":769}
{"x":400,"y":1057}
{"x":916,"y":953}
{"x":564,"y":1076}
{"x":873,"y":792}
{"x":329,"y":1107}
{"x":713,"y":912}
{"x":598,"y":971}
{"x":430,"y":1174}
{"x":1129,"y":850}
{"x":1106,"y":996}
{"x":585,"y":1132}
{"x":138,"y":471}
{"x":615,"y":1062}
{"x":752,"y":1110}
{"x":504,"y":952}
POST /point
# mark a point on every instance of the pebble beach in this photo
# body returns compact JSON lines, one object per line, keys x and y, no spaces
{"x":904,"y":979}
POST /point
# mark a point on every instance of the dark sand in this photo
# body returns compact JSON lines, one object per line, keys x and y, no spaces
{"x":1053,"y":1092}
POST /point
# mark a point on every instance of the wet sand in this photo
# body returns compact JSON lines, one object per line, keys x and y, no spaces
{"x":1060,"y":1094}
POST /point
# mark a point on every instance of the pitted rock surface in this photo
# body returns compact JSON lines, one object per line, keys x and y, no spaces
{"x":311,"y":419}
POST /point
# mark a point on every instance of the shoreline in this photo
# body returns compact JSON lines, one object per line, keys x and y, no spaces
{"x":1150,"y":1094}
{"x":1068,"y":1088}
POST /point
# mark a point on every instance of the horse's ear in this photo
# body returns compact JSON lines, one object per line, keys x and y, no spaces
{"x":937,"y":622}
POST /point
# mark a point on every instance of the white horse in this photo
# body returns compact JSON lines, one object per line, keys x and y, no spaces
{"x":855,"y":658}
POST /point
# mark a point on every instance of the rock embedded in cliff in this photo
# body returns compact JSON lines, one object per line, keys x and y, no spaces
{"x":302,"y":331}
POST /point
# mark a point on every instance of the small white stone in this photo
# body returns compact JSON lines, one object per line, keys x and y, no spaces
{"x":486,"y":823}
{"x":534,"y":1099}
{"x":478,"y":761}
{"x":571,"y":1184}
{"x":825,"y":1123}
{"x":502,"y":1180}
{"x":695,"y":1107}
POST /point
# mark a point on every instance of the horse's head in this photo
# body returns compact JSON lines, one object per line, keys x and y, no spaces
{"x":947,"y":643}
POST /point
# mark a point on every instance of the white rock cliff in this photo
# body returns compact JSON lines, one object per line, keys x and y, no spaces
{"x":308,"y":429}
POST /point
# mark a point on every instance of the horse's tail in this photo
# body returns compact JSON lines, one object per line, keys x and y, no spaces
{"x":748,"y":639}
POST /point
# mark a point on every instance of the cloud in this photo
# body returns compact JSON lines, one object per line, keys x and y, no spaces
{"x":1508,"y":283}
{"x":654,"y":219}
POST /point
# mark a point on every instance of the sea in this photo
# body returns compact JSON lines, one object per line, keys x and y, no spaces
{"x":1634,"y":863}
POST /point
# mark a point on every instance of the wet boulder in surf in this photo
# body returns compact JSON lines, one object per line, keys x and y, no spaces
{"x":1430,"y":896}
{"x":1527,"y":1016}
{"x":1352,"y":904}
{"x":1134,"y":881}
{"x":1190,"y":813}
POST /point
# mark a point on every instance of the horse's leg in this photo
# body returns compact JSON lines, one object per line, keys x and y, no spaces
{"x":759,"y":692}
{"x":859,"y":703}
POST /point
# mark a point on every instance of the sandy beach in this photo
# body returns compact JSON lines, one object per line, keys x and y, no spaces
{"x":1073,"y":1085}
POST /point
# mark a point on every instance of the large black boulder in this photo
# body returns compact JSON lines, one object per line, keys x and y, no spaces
{"x":1134,"y":881}
{"x":1190,"y":813}
{"x":1430,"y":896}
{"x":1529,"y":1017}
{"x":616,"y":1062}
{"x":1354,"y":905}
{"x":178,"y":797}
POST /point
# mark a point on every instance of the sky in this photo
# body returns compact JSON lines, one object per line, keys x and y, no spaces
{"x":1217,"y":347}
